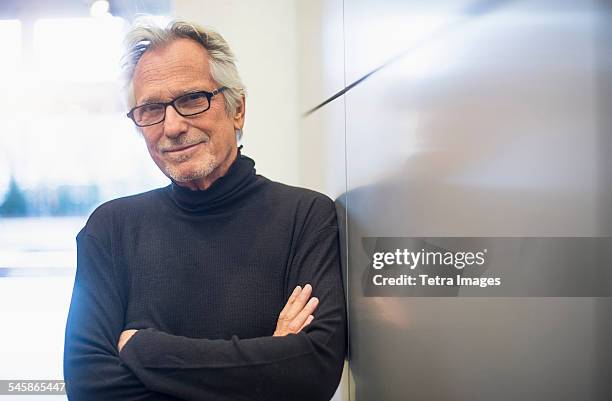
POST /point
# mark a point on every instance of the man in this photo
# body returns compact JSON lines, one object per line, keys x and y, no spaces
{"x":223,"y":285}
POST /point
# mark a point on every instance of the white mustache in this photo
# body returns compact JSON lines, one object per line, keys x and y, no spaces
{"x":181,"y":142}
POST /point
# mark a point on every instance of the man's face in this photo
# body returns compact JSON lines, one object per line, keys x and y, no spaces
{"x":193,"y":150}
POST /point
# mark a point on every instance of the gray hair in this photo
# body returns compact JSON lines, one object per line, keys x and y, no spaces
{"x":146,"y":34}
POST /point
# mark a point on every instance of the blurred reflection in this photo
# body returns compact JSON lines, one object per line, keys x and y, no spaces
{"x":489,"y":129}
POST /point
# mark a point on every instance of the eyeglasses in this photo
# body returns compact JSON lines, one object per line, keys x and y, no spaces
{"x":186,"y":105}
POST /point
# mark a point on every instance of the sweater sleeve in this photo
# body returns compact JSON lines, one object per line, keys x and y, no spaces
{"x":304,"y":366}
{"x":92,"y":368}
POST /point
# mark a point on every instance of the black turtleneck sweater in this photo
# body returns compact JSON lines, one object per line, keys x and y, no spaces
{"x":203,"y":276}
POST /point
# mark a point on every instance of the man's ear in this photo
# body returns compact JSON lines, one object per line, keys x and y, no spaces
{"x":239,"y":115}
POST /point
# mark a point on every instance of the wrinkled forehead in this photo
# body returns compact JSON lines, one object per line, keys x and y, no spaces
{"x":176,"y":67}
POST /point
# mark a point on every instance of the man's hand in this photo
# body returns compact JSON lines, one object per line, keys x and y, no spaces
{"x":297,"y":313}
{"x":124,"y":337}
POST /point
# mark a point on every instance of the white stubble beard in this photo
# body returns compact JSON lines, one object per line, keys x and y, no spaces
{"x":173,"y":168}
{"x":206,"y":168}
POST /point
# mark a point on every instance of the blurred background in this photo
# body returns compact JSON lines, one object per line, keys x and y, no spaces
{"x":421,"y":119}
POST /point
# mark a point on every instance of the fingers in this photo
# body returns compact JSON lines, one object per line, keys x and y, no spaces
{"x":307,"y":322}
{"x":125,"y":337}
{"x":300,"y":301}
{"x":306,"y":313}
{"x":296,"y":302}
{"x":297,"y":312}
{"x":284,"y":314}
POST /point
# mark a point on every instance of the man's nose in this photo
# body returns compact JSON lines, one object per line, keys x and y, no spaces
{"x":174,"y":123}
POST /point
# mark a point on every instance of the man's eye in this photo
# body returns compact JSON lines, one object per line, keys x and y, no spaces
{"x":151,"y":107}
{"x":194,"y":96}
{"x":193,"y":101}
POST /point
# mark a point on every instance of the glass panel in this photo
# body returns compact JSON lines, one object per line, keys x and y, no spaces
{"x":487,"y":121}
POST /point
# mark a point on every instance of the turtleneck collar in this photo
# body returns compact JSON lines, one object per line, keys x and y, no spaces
{"x":221,"y":194}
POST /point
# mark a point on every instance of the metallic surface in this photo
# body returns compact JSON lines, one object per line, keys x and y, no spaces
{"x":488,"y":119}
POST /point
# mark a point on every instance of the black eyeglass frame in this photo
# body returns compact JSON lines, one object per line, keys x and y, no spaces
{"x":209,"y":96}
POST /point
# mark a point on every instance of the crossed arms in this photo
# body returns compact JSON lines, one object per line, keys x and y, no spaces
{"x":297,"y":314}
{"x":301,"y":360}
